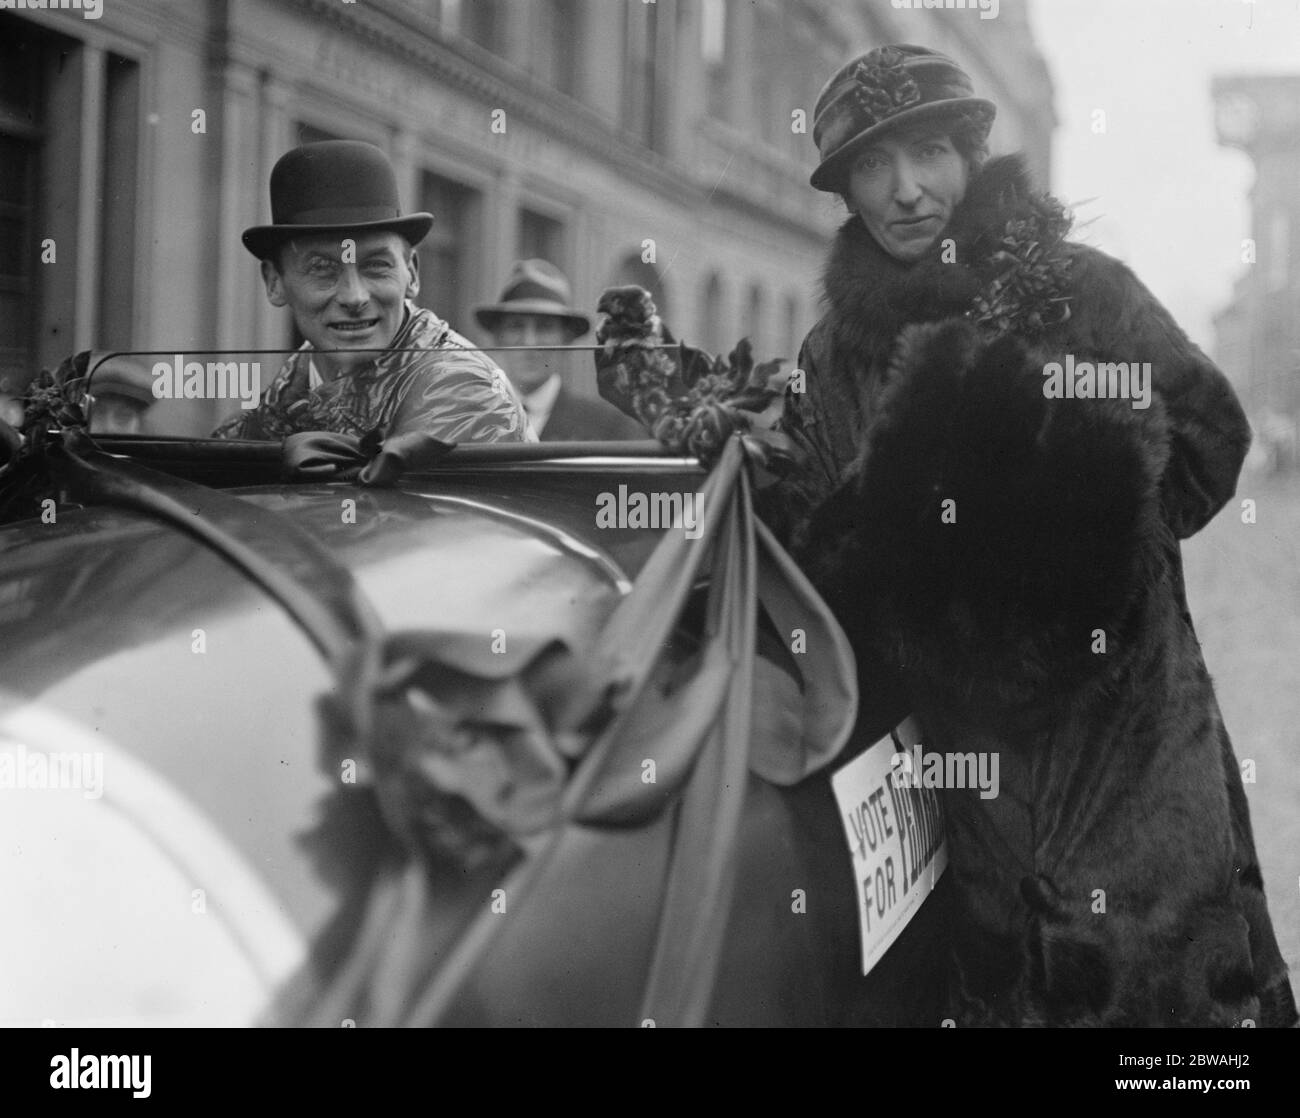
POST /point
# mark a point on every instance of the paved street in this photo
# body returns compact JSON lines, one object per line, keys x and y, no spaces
{"x":1243,"y":586}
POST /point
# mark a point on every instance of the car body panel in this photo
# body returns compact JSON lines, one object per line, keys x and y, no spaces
{"x":103,"y":612}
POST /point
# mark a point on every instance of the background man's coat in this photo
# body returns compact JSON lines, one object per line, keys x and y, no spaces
{"x":576,"y":418}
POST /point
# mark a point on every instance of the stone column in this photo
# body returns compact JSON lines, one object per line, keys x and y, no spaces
{"x":688,"y":96}
{"x":675,"y":95}
{"x":741,"y":31}
{"x":515,"y":31}
{"x":237,"y":198}
{"x":502,"y":230}
{"x":601,"y":72}
{"x":275,"y":138}
{"x":402,"y":155}
{"x":90,"y":185}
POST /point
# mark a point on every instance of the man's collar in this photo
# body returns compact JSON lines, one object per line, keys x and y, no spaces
{"x":543,"y":397}
{"x":541,"y":401}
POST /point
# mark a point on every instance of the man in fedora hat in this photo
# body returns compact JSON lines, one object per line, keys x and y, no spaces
{"x":534,"y":311}
{"x":341,"y":256}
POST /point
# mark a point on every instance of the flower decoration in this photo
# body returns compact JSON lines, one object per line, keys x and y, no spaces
{"x":883,"y":86}
{"x":687,"y":399}
{"x":1028,"y":291}
{"x":52,"y":403}
{"x":56,"y":399}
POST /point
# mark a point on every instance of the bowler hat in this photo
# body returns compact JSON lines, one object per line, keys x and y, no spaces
{"x":535,"y":287}
{"x":333,"y":185}
{"x":883,"y":91}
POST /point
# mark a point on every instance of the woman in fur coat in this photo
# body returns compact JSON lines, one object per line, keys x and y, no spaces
{"x":1006,"y":436}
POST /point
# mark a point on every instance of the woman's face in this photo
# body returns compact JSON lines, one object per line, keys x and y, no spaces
{"x":905,"y":188}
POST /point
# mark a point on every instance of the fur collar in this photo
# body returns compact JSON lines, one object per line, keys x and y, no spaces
{"x":871,"y":296}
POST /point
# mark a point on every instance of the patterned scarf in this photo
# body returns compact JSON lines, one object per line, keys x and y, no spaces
{"x":355,"y":403}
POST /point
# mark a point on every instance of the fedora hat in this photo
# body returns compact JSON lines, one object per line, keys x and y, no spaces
{"x":886,"y":90}
{"x":333,"y":185}
{"x":535,"y":287}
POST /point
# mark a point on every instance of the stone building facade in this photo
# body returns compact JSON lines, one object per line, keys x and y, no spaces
{"x":1257,"y":335}
{"x":629,"y":141}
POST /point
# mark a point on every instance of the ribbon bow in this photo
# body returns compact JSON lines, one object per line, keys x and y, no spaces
{"x":883,"y":87}
{"x":371,"y":459}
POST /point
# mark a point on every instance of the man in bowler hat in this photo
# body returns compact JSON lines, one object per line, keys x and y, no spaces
{"x":341,"y":256}
{"x":534,"y":311}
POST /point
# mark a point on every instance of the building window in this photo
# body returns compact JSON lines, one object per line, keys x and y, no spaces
{"x":633,"y":270}
{"x":480,"y":20}
{"x":310,"y":134}
{"x":554,"y":50}
{"x":713,"y":53}
{"x":448,"y":276}
{"x":805,"y":83}
{"x":773,"y":97}
{"x":640,"y":73}
{"x":754,"y":323}
{"x":713,"y":329}
{"x":447,"y":14}
{"x":21,"y":134}
{"x":17,"y":255}
{"x":541,"y":237}
{"x":117,"y":233}
{"x":83,"y":295}
{"x":792,"y":338}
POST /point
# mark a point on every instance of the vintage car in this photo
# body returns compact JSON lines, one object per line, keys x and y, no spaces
{"x":528,"y":734}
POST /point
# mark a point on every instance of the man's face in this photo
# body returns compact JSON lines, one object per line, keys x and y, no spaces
{"x":529,"y":370}
{"x":905,"y":188}
{"x":112,"y":415}
{"x":356,"y":306}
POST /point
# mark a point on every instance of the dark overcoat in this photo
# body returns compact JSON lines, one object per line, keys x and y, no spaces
{"x":576,"y":418}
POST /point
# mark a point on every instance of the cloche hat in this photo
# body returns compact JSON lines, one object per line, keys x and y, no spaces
{"x":882,"y":91}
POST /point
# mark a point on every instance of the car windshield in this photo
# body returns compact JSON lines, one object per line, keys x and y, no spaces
{"x":265,"y":394}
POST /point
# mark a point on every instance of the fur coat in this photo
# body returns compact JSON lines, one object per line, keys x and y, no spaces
{"x":1007,"y":566}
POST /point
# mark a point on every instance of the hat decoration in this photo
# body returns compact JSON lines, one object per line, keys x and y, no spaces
{"x":883,"y":87}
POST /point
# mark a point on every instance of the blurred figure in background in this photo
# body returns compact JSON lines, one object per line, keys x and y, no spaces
{"x":534,"y":310}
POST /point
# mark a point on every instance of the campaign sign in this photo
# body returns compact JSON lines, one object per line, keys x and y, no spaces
{"x":896,"y":837}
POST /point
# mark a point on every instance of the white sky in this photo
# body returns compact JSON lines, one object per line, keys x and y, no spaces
{"x":1169,"y":201}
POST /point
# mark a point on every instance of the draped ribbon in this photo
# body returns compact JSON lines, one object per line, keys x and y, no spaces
{"x":552,"y":736}
{"x":25,"y":461}
{"x":372,"y":460}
